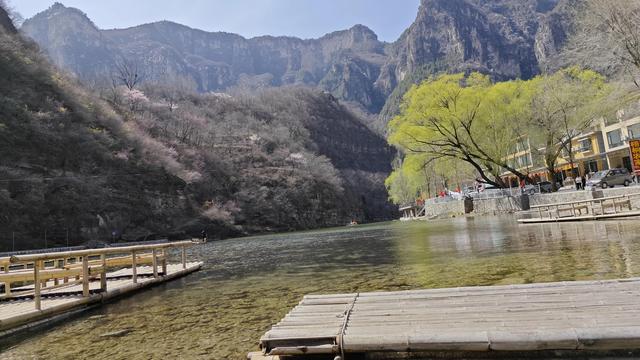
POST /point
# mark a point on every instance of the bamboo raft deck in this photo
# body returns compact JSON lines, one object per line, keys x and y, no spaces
{"x":611,"y":207}
{"x":576,"y":316}
{"x":54,"y":284}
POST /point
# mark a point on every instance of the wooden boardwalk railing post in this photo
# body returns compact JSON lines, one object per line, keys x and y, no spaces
{"x":75,"y":261}
{"x":36,"y":284}
{"x":154,"y":263}
{"x":85,"y":276}
{"x":56,"y":264}
{"x":164,"y":262}
{"x":64,"y":264}
{"x":134,"y":264}
{"x":103,"y":274}
{"x":184,"y":257}
{"x":7,"y":285}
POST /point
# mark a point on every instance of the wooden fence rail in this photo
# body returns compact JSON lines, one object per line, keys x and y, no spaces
{"x":589,"y":209}
{"x":72,"y":268}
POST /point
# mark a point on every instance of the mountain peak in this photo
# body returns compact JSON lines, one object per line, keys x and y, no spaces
{"x":62,"y":13}
{"x":359,"y":28}
{"x":57,"y":6}
{"x":5,"y":21}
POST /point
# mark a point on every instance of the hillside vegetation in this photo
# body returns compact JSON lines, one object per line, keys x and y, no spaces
{"x":131,"y":163}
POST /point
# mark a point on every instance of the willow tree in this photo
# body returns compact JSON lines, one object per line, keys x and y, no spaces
{"x":404,"y":184}
{"x":420,"y":174}
{"x":563,"y":106}
{"x":462,"y":118}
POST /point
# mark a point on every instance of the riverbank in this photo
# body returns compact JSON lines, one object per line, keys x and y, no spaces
{"x":510,"y":205}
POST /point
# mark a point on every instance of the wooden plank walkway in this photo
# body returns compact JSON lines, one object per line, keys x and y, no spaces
{"x":42,"y":286}
{"x":19,"y":311}
{"x":581,"y":315}
{"x":619,"y":215}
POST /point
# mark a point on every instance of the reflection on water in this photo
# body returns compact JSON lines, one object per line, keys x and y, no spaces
{"x":248,"y":284}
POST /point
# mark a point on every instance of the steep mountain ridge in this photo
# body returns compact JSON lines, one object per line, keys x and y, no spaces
{"x":215,"y":60}
{"x":505,"y":38}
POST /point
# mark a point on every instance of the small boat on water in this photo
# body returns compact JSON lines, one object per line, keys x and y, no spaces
{"x":352,"y":223}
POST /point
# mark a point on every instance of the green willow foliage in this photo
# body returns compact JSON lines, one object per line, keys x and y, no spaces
{"x":469,"y":119}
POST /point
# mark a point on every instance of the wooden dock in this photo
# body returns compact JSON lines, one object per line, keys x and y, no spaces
{"x":576,"y":316}
{"x":38,"y":287}
{"x":582,"y":210}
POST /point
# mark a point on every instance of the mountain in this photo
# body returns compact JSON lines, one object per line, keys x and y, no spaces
{"x":346,"y":63}
{"x":163,"y":161}
{"x":505,"y":38}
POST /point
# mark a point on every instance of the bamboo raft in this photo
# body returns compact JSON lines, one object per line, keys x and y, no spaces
{"x":43,"y":286}
{"x":581,"y":315}
{"x":582,"y":210}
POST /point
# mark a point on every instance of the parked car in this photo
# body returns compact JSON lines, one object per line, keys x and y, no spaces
{"x":610,"y":178}
{"x":530,"y":189}
{"x":488,"y":191}
{"x":545,"y":186}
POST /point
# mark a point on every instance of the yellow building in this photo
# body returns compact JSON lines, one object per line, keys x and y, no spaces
{"x":525,"y":161}
{"x":604,"y":146}
{"x":617,"y":133}
{"x":589,"y":155}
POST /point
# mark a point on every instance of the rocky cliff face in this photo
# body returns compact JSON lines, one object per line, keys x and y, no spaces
{"x":346,"y":63}
{"x":505,"y":38}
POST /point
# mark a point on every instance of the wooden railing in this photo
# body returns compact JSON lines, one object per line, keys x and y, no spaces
{"x":588,"y":205}
{"x":79,"y":267}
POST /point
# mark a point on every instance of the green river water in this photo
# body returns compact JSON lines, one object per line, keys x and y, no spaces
{"x":248,"y":284}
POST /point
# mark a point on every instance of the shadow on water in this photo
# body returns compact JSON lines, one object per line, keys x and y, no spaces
{"x":248,"y":284}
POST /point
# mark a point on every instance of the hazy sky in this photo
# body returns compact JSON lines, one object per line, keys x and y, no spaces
{"x":300,"y":18}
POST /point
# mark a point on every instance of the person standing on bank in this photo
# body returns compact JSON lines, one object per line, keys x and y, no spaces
{"x":203,"y":235}
{"x":578,"y":182}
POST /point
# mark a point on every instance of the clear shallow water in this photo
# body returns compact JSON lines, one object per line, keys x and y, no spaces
{"x":248,"y":284}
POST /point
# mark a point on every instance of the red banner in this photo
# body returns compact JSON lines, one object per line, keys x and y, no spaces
{"x":634,"y":147}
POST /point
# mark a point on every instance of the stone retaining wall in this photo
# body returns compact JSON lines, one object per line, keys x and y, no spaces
{"x":505,"y":205}
{"x":445,"y":209}
{"x":509,"y":205}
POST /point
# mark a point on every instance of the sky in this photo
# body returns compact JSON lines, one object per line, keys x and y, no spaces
{"x":300,"y":18}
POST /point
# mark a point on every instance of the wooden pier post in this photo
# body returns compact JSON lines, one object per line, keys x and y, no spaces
{"x":154,"y":263}
{"x":85,"y":276}
{"x":164,"y":262}
{"x":134,"y":264}
{"x":103,"y":274}
{"x":56,"y":265}
{"x":75,"y":261}
{"x":64,"y":264}
{"x":7,"y":285}
{"x":184,"y":257}
{"x":36,"y":284}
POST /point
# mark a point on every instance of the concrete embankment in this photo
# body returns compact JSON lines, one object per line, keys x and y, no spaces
{"x":508,"y":205}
